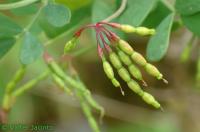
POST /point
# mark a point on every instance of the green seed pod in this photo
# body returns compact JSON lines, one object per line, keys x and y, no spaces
{"x":148,"y":98}
{"x":124,"y":46}
{"x":128,"y":28}
{"x":115,"y":60}
{"x":70,"y":45}
{"x":152,"y":70}
{"x":94,"y":104}
{"x":144,"y":31}
{"x":135,"y":72}
{"x":124,"y":74}
{"x":115,"y":82}
{"x":139,"y":59}
{"x":61,"y":84}
{"x":108,"y":70}
{"x":124,"y":58}
{"x":133,"y":85}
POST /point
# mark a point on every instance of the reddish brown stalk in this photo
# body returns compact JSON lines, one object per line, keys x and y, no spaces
{"x":102,"y":38}
{"x":113,"y":36}
{"x":78,"y":33}
{"x":100,"y":50}
{"x":111,"y":24}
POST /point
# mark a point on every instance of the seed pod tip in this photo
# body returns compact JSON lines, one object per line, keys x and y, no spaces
{"x":144,"y":83}
{"x":122,"y":91}
{"x":165,"y":81}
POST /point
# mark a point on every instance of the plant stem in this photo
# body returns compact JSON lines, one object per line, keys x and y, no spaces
{"x":118,"y":12}
{"x":27,"y":28}
{"x":49,"y":42}
{"x":169,"y":5}
{"x":29,"y":84}
{"x":16,"y":4}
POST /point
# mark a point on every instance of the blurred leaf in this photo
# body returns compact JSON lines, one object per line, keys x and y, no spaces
{"x":56,"y":14}
{"x":77,"y":17}
{"x":156,"y":15}
{"x":75,"y":4}
{"x":8,"y":27}
{"x":187,"y":7}
{"x":5,"y":45}
{"x":136,"y":11}
{"x":192,"y":23}
{"x":101,"y":9}
{"x":158,"y":44}
{"x":26,"y":10}
{"x":31,"y":49}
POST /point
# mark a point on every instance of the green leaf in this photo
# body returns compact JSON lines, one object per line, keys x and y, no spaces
{"x":5,"y":45}
{"x":75,"y":4}
{"x":187,"y":7}
{"x":56,"y":14}
{"x":101,"y":9}
{"x":77,"y":16}
{"x":156,"y":15}
{"x":8,"y":27}
{"x":136,"y":11}
{"x":31,"y":49}
{"x":26,"y":10}
{"x":158,"y":44}
{"x":192,"y":23}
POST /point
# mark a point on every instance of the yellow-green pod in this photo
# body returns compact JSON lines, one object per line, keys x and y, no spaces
{"x":124,"y":58}
{"x":148,"y":98}
{"x":115,"y":60}
{"x":133,"y":85}
{"x":152,"y":70}
{"x":128,"y":28}
{"x":144,"y":31}
{"x":108,"y":70}
{"x":135,"y":72}
{"x":138,"y":58}
{"x":124,"y":74}
{"x":124,"y":46}
{"x":70,"y":45}
{"x":115,"y":82}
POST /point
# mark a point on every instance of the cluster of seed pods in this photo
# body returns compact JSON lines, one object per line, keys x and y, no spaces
{"x":116,"y":52}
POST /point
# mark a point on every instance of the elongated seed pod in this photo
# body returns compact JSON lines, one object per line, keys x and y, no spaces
{"x":124,"y":46}
{"x":138,"y":58}
{"x":108,"y":69}
{"x":152,"y":70}
{"x":61,"y":84}
{"x":135,"y":72}
{"x":88,"y":112}
{"x":127,"y":28}
{"x":70,"y":45}
{"x":144,"y":31}
{"x":133,"y":85}
{"x":124,"y":58}
{"x":148,"y":98}
{"x":110,"y":74}
{"x":133,"y":69}
{"x":124,"y":74}
{"x":115,"y":82}
{"x":115,"y":60}
{"x":17,"y":77}
{"x":94,"y":104}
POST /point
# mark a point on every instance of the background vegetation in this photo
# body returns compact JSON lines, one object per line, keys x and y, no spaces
{"x":27,"y":30}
